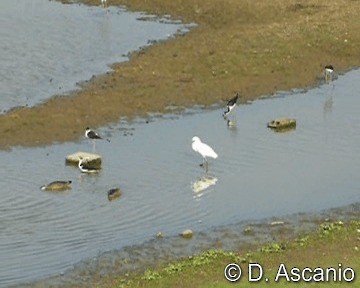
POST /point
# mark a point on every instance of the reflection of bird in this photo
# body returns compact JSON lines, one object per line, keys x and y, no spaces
{"x":87,"y":169}
{"x":203,"y":183}
{"x":91,"y":134}
{"x":203,"y":149}
{"x":329,"y":70}
{"x":328,"y":105}
{"x":231,"y":124}
{"x":103,"y":3}
{"x":57,"y":186}
{"x":231,"y":105}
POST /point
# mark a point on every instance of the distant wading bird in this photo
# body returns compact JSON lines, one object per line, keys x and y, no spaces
{"x":231,"y":105}
{"x":103,"y":3}
{"x":86,"y":169}
{"x":203,"y":149}
{"x":329,"y":70}
{"x":90,"y":134}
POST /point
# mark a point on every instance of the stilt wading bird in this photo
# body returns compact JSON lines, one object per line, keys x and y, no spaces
{"x":86,"y":169}
{"x":329,"y":70}
{"x":57,"y":186}
{"x":231,"y":105}
{"x":91,"y":134}
{"x":203,"y":149}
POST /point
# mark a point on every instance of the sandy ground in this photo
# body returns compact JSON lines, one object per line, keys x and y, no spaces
{"x":255,"y":47}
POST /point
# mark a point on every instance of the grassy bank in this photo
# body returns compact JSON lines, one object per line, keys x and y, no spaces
{"x":335,"y":243}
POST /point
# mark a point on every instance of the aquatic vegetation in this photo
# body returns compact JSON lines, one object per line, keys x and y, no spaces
{"x":273,"y":248}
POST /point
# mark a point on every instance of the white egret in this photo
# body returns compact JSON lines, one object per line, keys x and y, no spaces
{"x":203,"y":149}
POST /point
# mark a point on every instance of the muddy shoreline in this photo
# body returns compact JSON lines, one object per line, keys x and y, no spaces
{"x":104,"y":269}
{"x":253,"y":47}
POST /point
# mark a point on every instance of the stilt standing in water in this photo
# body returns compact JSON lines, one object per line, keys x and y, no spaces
{"x":329,"y":70}
{"x":83,"y":168}
{"x":231,"y":105}
{"x":90,"y":134}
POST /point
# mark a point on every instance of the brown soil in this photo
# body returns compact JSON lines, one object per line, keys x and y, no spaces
{"x":255,"y":47}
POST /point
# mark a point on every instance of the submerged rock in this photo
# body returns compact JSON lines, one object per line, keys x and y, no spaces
{"x":57,"y":186}
{"x":159,"y":235}
{"x":282,"y":124}
{"x":92,"y":160}
{"x":114,"y":193}
{"x":187,"y":234}
{"x":276,"y":223}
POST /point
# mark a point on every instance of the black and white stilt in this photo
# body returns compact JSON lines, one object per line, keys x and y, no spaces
{"x":231,"y":105}
{"x":91,"y":134}
{"x":87,"y":169}
{"x":328,"y":70}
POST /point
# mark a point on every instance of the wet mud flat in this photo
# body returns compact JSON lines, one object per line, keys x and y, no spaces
{"x":253,"y":47}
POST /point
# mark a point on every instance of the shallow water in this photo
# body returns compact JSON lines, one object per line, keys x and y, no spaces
{"x":47,"y":47}
{"x":260,"y":174}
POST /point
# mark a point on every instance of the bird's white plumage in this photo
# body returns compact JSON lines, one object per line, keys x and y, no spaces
{"x":203,"y":149}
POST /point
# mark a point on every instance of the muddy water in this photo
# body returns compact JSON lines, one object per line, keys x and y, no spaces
{"x":47,"y":47}
{"x":259,"y":174}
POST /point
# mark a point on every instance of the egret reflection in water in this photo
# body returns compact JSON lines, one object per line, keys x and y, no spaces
{"x":203,"y":183}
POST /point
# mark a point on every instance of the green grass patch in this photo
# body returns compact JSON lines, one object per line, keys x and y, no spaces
{"x":335,"y":247}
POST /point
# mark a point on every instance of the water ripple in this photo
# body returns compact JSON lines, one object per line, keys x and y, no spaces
{"x":259,"y":174}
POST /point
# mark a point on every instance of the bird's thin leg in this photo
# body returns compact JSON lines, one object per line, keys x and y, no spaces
{"x":93,"y":146}
{"x":328,"y":78}
{"x":206,"y":167}
{"x":205,"y":163}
